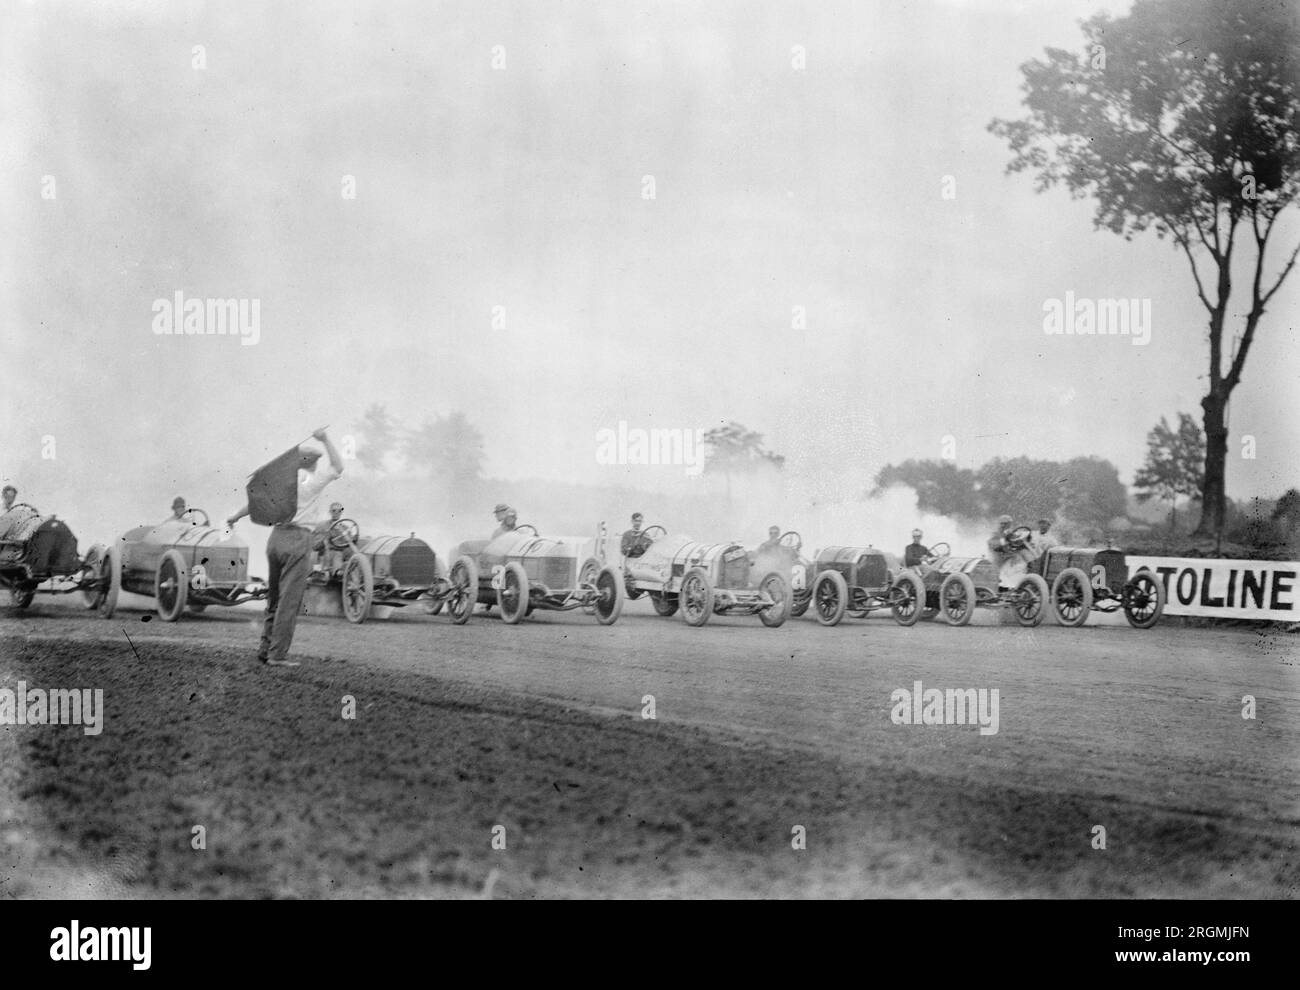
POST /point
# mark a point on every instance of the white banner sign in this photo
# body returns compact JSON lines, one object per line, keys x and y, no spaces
{"x":1226,"y":589}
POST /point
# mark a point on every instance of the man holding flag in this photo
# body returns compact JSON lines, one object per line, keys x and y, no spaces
{"x":284,"y":495}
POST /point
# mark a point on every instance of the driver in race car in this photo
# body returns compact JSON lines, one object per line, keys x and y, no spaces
{"x":773,"y":539}
{"x":634,"y":542}
{"x":7,"y":521}
{"x":1009,"y":552}
{"x":507,"y":519}
{"x":326,"y":555}
{"x":915,"y":553}
{"x":179,"y":508}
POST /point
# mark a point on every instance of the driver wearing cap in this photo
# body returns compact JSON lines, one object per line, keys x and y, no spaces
{"x":178,"y":510}
{"x":915,"y":553}
{"x":773,"y":539}
{"x":506,"y":517}
{"x":328,"y":556}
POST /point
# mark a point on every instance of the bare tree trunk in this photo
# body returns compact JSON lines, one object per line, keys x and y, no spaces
{"x":1213,"y":491}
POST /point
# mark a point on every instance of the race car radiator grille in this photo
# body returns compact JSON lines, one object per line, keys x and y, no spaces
{"x":556,"y":572}
{"x":413,"y":565}
{"x":226,"y":567}
{"x":735,"y":573}
{"x":873,"y":572}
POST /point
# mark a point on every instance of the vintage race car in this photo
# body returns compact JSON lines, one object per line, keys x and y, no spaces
{"x":956,"y":586}
{"x":1085,"y":579}
{"x":180,"y":563}
{"x":786,"y":558}
{"x":856,"y":581}
{"x":705,"y":578}
{"x":384,"y":570}
{"x":521,"y":571}
{"x":39,"y":553}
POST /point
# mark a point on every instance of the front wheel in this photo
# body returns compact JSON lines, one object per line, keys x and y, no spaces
{"x":358,"y":588}
{"x":587,"y":575}
{"x":776,"y":588}
{"x":957,"y":599}
{"x":110,"y":582}
{"x":464,"y":579}
{"x":696,"y":597}
{"x":1032,"y":597}
{"x":609,"y":603}
{"x":831,"y":596}
{"x":1072,"y":597}
{"x":513,"y":596}
{"x":1144,"y":600}
{"x":171,"y":586}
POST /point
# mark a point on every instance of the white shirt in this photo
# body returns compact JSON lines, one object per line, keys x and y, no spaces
{"x":311,"y":484}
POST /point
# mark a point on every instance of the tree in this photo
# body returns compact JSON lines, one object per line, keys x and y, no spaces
{"x":1287,"y":510}
{"x":1091,"y":492}
{"x":1175,"y":463}
{"x":379,"y":436}
{"x":1181,"y":117}
{"x":1021,"y":487}
{"x":736,"y":449}
{"x":451,"y":448}
{"x":941,"y":487}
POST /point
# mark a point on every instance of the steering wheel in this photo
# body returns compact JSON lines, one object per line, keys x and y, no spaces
{"x":940,"y":549}
{"x":785,"y":540}
{"x":200,"y":512}
{"x":646,"y":532}
{"x":343,"y":533}
{"x":1019,"y":537}
{"x":25,"y":505}
{"x":527,"y":526}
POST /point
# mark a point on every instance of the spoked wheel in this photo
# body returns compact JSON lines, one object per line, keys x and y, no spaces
{"x":464,"y":578}
{"x":1032,"y":597}
{"x":1072,"y":597}
{"x":91,"y":587}
{"x":665,"y":605}
{"x":609,"y":604}
{"x":696,"y":597}
{"x":21,"y":597}
{"x":907,"y":599}
{"x":512,"y":596}
{"x":358,"y":588}
{"x":587,"y":576}
{"x":957,"y":599}
{"x":831,"y":597}
{"x":1144,"y":600}
{"x":777,"y":588}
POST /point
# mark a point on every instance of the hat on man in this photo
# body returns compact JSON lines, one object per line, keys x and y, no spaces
{"x":501,"y":507}
{"x":917,"y":532}
{"x":1004,"y":520}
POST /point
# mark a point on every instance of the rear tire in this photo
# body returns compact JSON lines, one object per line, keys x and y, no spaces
{"x":696,"y":597}
{"x":831,"y":596}
{"x":665,"y":605}
{"x":171,"y":586}
{"x":1072,"y":597}
{"x":957,"y":599}
{"x":1032,"y":603}
{"x":907,"y":611}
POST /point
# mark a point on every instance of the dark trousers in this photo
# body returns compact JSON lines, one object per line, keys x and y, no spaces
{"x":288,"y":552}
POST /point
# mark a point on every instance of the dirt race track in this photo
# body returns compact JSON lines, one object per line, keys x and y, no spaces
{"x":539,"y":728}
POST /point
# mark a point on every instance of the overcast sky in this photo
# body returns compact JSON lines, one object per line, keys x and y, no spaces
{"x":522,"y":187}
